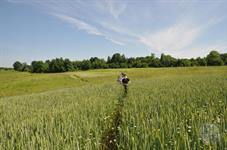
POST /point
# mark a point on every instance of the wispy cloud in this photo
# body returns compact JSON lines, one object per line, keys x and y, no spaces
{"x":177,"y":37}
{"x":118,"y":29}
{"x":90,"y":21}
{"x":172,"y":38}
{"x":115,"y":7}
{"x":76,"y":13}
{"x":114,"y":41}
{"x":81,"y":25}
{"x":173,"y":32}
{"x":201,"y":50}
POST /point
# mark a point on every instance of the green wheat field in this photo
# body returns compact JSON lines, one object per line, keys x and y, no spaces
{"x":164,"y":108}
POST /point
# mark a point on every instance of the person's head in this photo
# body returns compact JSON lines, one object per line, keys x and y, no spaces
{"x":123,"y":74}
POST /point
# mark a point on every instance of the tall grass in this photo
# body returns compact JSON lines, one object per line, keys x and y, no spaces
{"x":63,"y":119}
{"x":165,"y":108}
{"x":183,"y":112}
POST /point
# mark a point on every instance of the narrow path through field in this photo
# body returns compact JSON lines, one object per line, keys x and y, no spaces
{"x":75,"y":76}
{"x":110,"y":138}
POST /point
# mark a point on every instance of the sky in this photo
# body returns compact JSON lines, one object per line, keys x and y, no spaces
{"x":80,"y":29}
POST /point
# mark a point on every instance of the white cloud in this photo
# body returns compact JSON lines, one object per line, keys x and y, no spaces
{"x":118,"y":29}
{"x":115,"y":8}
{"x":103,"y":18}
{"x":112,"y":27}
{"x":178,"y":38}
{"x":76,"y":14}
{"x":200,"y":51}
{"x":81,"y":25}
{"x":173,"y":38}
{"x":114,"y":41}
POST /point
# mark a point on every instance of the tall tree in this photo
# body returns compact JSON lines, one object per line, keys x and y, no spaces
{"x":85,"y":65}
{"x":68,"y":65}
{"x":214,"y":59}
{"x":167,"y":61}
{"x":97,"y":63}
{"x":17,"y":66}
{"x":201,"y":61}
{"x":39,"y":67}
{"x":183,"y":63}
{"x":26,"y":67}
{"x":57,"y":65}
{"x":224,"y":58}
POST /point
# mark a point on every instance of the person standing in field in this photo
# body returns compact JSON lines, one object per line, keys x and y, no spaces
{"x":124,"y":80}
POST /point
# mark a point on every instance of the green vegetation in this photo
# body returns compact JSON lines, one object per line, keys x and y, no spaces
{"x":176,"y":113}
{"x":120,"y":61}
{"x":14,"y":83}
{"x":165,"y":108}
{"x":62,"y":119}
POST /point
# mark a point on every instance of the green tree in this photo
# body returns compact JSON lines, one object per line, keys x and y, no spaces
{"x":193,"y":62}
{"x":224,"y":58}
{"x":47,"y":62}
{"x":201,"y":61}
{"x":68,"y":65}
{"x":155,"y":63}
{"x":130,"y":62}
{"x":183,"y":62}
{"x":108,"y":59}
{"x":39,"y":67}
{"x":123,"y":65}
{"x":137,"y":63}
{"x":152,"y":61}
{"x":26,"y":67}
{"x":117,"y":60}
{"x":17,"y":66}
{"x":214,"y":59}
{"x":97,"y":63}
{"x":167,"y":61}
{"x":85,"y":65}
{"x":57,"y":65}
{"x":77,"y":65}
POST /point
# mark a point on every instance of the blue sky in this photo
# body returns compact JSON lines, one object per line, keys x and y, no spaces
{"x":79,"y":29}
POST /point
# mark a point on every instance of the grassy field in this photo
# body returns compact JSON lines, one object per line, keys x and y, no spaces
{"x":165,"y":108}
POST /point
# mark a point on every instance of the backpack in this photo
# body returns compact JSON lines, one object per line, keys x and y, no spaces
{"x":125,"y":80}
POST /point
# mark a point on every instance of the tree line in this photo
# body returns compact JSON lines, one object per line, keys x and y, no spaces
{"x":120,"y":61}
{"x":5,"y":68}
